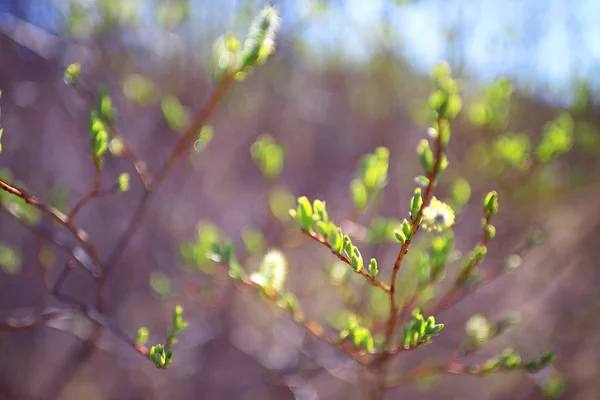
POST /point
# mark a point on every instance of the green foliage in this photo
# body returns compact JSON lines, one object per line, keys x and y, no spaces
{"x":10,"y":260}
{"x":139,"y":89}
{"x":557,"y":138}
{"x":175,"y":114}
{"x":493,"y":108}
{"x":234,"y":60}
{"x":445,"y":101}
{"x":178,"y":325}
{"x":123,"y":182}
{"x":382,"y":230}
{"x":461,"y":193}
{"x":268,"y":155}
{"x":254,"y":240}
{"x":490,"y":204}
{"x":161,"y":284}
{"x":514,"y":149}
{"x":161,"y":357}
{"x":554,"y":387}
{"x":204,"y":137}
{"x":99,"y":136}
{"x":374,"y":338}
{"x":72,"y":74}
{"x":199,"y":252}
{"x":420,"y":330}
{"x":361,"y":337}
{"x":142,"y":335}
{"x":371,"y":178}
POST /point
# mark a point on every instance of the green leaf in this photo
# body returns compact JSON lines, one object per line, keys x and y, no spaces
{"x":557,"y":139}
{"x":373,"y":269}
{"x":422,"y":181}
{"x":514,"y":149}
{"x":10,"y":260}
{"x":72,"y":73}
{"x":175,"y":114}
{"x":335,"y":238}
{"x":142,"y":335}
{"x":461,"y":192}
{"x":268,"y":155}
{"x":123,"y":182}
{"x":356,"y":260}
{"x":426,"y":156}
{"x":359,"y":194}
{"x":160,"y":283}
{"x":400,"y":237}
{"x":140,"y":90}
{"x":416,"y":204}
{"x":490,"y":204}
{"x":407,"y":229}
{"x":304,"y":213}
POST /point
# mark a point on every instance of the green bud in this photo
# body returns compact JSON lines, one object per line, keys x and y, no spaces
{"x":400,"y":237}
{"x":426,"y":156}
{"x":335,"y":238}
{"x":356,"y":260}
{"x":407,"y":229}
{"x":142,"y":335}
{"x":359,"y":194}
{"x":490,"y":231}
{"x":320,"y":210}
{"x":304,"y":213}
{"x":490,"y":205}
{"x":123,"y":182}
{"x":422,"y":181}
{"x":416,"y":204}
{"x":72,"y":74}
{"x":373,"y":270}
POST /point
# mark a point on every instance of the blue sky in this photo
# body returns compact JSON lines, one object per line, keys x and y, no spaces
{"x":542,"y":44}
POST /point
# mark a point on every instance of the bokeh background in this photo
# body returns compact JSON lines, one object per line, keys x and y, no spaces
{"x":347,"y":76}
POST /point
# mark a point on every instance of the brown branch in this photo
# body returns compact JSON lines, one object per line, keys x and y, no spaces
{"x":416,"y":223}
{"x":312,"y":327}
{"x":137,"y":163}
{"x":58,"y":217}
{"x":345,"y":259}
{"x":179,"y":149}
{"x":31,"y":321}
{"x":454,"y":295}
{"x":92,"y":193}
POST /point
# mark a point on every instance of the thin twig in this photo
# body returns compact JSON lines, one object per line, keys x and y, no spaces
{"x":416,"y":223}
{"x":345,"y":259}
{"x":179,"y":149}
{"x":55,"y":215}
{"x":91,"y":194}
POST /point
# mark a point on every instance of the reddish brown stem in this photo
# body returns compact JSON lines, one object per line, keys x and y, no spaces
{"x":345,"y":259}
{"x":56,"y":216}
{"x":179,"y":149}
{"x":91,"y":194}
{"x":416,"y":222}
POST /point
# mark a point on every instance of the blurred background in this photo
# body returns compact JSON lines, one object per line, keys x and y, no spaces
{"x":348,"y":76}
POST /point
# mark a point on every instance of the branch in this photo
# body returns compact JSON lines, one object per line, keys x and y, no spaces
{"x":58,"y":217}
{"x":179,"y":149}
{"x":343,"y":258}
{"x":416,"y":222}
